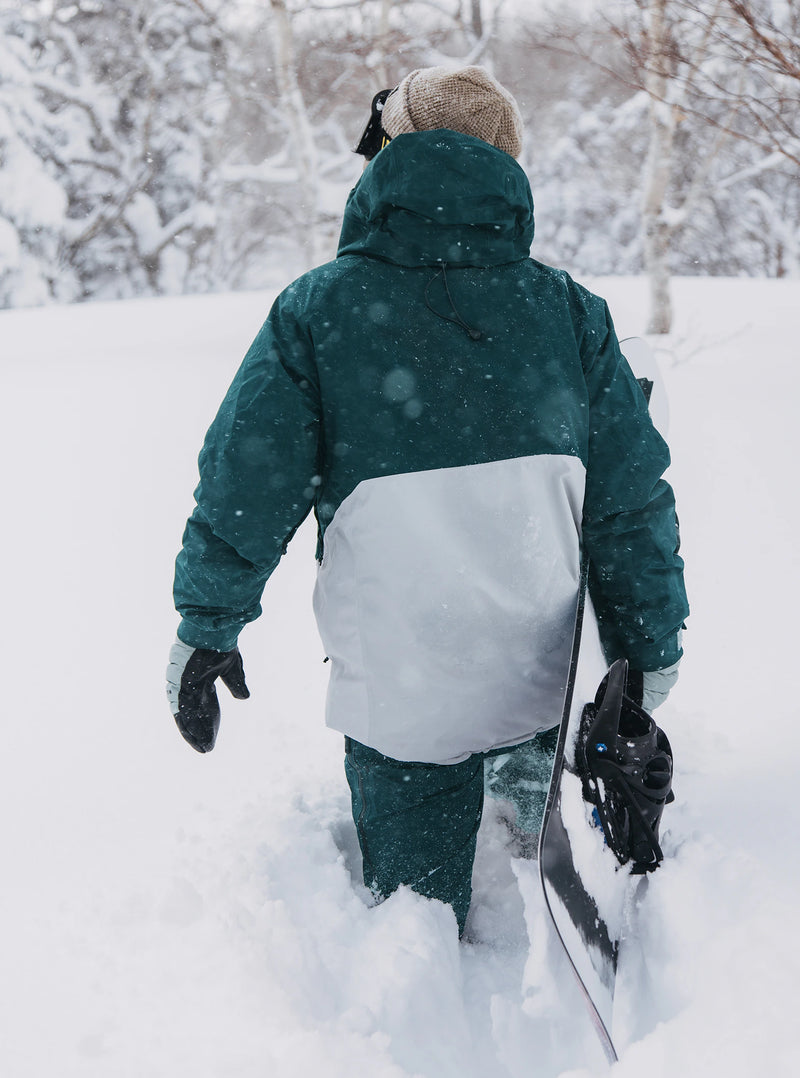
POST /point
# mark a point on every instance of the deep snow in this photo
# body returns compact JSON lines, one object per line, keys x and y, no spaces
{"x":164,"y":913}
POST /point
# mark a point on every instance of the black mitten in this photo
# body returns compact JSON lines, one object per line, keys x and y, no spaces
{"x":192,"y":694}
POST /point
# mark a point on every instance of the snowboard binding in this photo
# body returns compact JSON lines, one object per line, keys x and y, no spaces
{"x":625,"y":764}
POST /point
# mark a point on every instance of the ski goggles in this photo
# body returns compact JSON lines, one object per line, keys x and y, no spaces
{"x":374,"y":137}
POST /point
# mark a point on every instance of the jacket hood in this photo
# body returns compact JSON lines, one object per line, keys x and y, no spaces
{"x":436,"y":197}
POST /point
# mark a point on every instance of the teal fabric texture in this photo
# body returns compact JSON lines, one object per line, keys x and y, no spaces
{"x":417,"y":824}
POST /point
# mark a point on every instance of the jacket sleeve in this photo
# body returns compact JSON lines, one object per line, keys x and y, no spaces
{"x":258,"y":477}
{"x":630,"y":529}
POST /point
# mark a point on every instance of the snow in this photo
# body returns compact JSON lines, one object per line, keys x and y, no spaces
{"x":166,"y":913}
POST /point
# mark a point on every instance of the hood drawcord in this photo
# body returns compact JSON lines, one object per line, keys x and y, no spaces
{"x":473,"y":333}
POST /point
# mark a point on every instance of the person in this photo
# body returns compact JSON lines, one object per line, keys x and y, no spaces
{"x":460,"y":420}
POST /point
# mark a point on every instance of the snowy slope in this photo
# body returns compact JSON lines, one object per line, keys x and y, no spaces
{"x":164,"y":913}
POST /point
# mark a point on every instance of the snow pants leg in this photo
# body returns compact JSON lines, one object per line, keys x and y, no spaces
{"x":417,"y":823}
{"x":521,"y":778}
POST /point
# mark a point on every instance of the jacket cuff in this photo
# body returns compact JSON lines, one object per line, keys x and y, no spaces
{"x":198,"y":636}
{"x":656,"y":656}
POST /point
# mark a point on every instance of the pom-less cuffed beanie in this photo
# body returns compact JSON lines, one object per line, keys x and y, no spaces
{"x":466,"y":99}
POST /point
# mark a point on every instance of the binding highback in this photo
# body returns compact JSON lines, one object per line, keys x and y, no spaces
{"x":625,"y":763}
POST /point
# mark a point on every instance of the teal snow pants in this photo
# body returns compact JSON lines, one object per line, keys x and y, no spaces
{"x":418,"y":823}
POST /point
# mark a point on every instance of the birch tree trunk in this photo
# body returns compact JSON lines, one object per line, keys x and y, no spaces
{"x":302,"y":136}
{"x":656,"y":228}
{"x":476,"y":18}
{"x":382,"y":67}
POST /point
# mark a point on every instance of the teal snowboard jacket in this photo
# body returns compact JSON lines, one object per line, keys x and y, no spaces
{"x":460,"y":420}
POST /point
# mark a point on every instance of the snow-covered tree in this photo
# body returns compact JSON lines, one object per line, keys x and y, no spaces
{"x":713,"y":90}
{"x":117,"y":106}
{"x":33,"y":203}
{"x":187,"y":145}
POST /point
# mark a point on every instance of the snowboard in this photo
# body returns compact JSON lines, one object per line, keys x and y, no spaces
{"x":588,"y":894}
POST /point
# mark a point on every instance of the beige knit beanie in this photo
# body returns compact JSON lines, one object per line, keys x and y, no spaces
{"x":465,"y":99}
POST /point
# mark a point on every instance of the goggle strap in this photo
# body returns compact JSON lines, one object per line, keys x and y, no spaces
{"x":374,"y":137}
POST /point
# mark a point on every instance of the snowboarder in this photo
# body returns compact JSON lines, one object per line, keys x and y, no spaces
{"x":460,"y":420}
